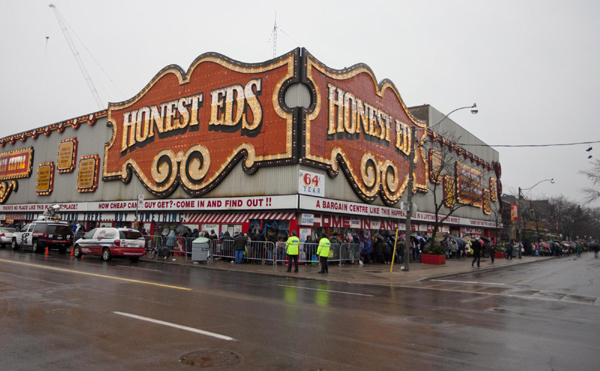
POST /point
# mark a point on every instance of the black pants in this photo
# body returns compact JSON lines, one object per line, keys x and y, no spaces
{"x":476,"y":259}
{"x":295,"y":259}
{"x":324,"y":267}
{"x":492,"y":255}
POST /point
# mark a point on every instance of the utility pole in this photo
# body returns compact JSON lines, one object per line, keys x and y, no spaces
{"x":411,"y":169}
{"x":86,"y":76}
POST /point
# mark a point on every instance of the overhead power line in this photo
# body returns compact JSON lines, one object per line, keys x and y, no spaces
{"x":527,"y":145}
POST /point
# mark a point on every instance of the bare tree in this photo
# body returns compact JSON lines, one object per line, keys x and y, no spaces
{"x":593,"y":174}
{"x":453,"y":183}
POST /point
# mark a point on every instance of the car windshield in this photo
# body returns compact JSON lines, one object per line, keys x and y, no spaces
{"x":7,"y":230}
{"x":130,"y":235}
{"x":59,"y":229}
{"x":90,"y":234}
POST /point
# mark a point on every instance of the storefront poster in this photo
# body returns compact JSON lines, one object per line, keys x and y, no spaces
{"x":306,"y":219}
{"x":312,"y":184}
{"x":304,"y":232}
{"x":45,"y":179}
{"x":87,"y":178}
{"x":67,"y":154}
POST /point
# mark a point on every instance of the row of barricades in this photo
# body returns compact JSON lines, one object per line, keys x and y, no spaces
{"x":267,"y":252}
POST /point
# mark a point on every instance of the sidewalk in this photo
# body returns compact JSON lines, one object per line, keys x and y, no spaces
{"x":373,"y":274}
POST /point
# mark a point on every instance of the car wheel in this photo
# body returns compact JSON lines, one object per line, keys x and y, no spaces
{"x":14,"y":244}
{"x":106,"y":256}
{"x":2,"y":245}
{"x":35,"y":246}
{"x":76,"y":251}
{"x":134,"y":259}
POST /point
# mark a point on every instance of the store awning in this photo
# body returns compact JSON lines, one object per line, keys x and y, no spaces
{"x":234,"y":218}
{"x":18,"y":216}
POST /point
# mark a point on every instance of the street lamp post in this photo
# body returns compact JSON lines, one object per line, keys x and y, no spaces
{"x":522,"y":222}
{"x":411,"y":179}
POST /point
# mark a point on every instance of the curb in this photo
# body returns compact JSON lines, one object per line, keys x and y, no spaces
{"x":489,"y":269}
{"x":358,"y":281}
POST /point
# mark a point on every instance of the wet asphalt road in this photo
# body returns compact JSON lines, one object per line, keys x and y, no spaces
{"x":57,"y":313}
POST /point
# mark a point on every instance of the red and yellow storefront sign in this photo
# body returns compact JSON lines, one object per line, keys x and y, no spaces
{"x":16,"y":164}
{"x":192,"y":128}
{"x":364,"y":128}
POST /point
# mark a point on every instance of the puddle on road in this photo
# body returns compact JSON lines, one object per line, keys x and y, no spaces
{"x":211,"y":358}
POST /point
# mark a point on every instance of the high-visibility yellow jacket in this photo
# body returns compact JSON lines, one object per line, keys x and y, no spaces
{"x":324,"y":246}
{"x":292,"y":244}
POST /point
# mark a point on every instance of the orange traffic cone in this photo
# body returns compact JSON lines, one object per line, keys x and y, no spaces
{"x":72,"y":251}
{"x":47,"y":248}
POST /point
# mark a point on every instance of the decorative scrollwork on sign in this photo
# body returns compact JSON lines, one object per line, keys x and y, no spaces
{"x":449,"y":191}
{"x":493,"y":189}
{"x":190,"y":167}
{"x":435,"y":166}
{"x":487,"y":205}
{"x":390,"y":183}
{"x":6,"y":189}
{"x":370,"y":174}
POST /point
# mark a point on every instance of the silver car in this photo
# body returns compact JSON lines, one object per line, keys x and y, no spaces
{"x":6,"y":234}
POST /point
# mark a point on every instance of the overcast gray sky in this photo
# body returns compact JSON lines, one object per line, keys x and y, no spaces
{"x":531,"y":66}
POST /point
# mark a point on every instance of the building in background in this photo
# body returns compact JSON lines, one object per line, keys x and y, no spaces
{"x":288,"y":144}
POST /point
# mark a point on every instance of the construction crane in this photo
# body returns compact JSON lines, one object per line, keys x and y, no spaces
{"x":63,"y":27}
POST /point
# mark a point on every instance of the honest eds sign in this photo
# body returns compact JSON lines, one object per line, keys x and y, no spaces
{"x":190,"y":128}
{"x":362,"y":127}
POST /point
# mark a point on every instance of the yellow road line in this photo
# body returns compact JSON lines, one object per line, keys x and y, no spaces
{"x":96,"y":275}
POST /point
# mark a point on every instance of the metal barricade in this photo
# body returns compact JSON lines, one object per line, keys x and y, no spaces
{"x":264,"y":252}
{"x":222,"y":249}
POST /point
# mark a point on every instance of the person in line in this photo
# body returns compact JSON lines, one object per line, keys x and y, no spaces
{"x":379,"y":248}
{"x":239,"y":244}
{"x":596,"y":248}
{"x":171,"y":240}
{"x":366,"y":251}
{"x":476,"y":246}
{"x":227,"y":243}
{"x":271,"y":244}
{"x":509,"y":250}
{"x":323,"y":253}
{"x":292,"y":245}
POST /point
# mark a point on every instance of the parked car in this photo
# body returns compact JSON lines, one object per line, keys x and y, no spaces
{"x":6,"y":234}
{"x":111,"y":242}
{"x":40,"y":234}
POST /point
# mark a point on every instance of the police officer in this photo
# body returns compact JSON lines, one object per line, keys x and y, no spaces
{"x":292,"y":245}
{"x":323,"y":253}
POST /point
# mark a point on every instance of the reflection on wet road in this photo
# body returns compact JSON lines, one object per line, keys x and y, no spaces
{"x":92,"y":315}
